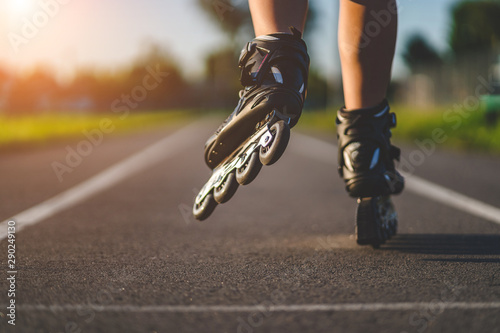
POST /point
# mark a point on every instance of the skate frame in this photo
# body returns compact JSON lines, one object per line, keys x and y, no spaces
{"x":262,"y":138}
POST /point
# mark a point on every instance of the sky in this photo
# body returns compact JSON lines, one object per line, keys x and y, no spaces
{"x":69,"y":34}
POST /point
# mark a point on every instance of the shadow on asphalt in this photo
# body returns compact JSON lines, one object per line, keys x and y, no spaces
{"x":451,"y":244}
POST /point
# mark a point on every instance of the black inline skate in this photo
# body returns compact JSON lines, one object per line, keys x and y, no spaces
{"x":366,"y":162}
{"x":274,"y":71}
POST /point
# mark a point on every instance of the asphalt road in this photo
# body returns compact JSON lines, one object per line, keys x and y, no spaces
{"x":279,"y":257}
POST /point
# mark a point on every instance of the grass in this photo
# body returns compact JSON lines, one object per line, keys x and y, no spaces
{"x":47,"y":127}
{"x":458,"y":128}
{"x":462,"y":129}
{"x":455,"y":128}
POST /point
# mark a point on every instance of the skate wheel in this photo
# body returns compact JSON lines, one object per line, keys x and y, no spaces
{"x":227,"y":189}
{"x":204,"y":209}
{"x":249,"y":171}
{"x":368,"y":223}
{"x":389,"y":216}
{"x":272,"y":152}
{"x":394,"y":227}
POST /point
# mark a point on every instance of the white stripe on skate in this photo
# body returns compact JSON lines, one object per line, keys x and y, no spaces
{"x":342,"y":307}
{"x":147,"y":157}
{"x":327,"y":152}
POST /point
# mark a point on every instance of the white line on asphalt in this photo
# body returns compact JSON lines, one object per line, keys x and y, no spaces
{"x":451,"y":198}
{"x":346,"y":307}
{"x":326,"y":152}
{"x":104,"y":180}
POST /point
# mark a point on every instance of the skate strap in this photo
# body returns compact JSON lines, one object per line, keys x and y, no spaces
{"x":248,"y":75}
{"x":257,"y":55}
{"x":245,"y":54}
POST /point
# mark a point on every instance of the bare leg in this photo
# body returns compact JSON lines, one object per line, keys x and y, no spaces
{"x":367,"y":38}
{"x":272,"y":16}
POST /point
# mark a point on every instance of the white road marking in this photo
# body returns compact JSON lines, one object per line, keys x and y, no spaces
{"x":327,"y":152}
{"x":147,"y":157}
{"x":451,"y":198}
{"x":342,"y":307}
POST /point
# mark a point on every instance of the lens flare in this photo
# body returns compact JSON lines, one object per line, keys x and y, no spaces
{"x":19,"y":7}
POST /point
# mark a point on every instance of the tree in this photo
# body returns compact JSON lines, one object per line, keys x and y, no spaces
{"x":34,"y":92}
{"x":419,"y":54}
{"x":475,"y":27}
{"x":228,"y":16}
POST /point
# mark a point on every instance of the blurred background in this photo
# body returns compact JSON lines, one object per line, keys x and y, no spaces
{"x":63,"y":64}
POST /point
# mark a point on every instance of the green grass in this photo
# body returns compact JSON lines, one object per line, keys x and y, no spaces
{"x":463,"y":130}
{"x":457,"y":128}
{"x":323,"y":120}
{"x":43,"y":128}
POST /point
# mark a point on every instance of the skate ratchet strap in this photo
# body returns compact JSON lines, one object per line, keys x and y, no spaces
{"x":260,"y":55}
{"x":256,"y":57}
{"x":245,"y":54}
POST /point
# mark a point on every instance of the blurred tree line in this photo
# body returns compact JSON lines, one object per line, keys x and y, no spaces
{"x":94,"y":90}
{"x":472,"y":59}
{"x":97,"y":90}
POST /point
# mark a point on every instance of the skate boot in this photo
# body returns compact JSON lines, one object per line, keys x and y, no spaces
{"x":274,"y":71}
{"x":366,"y":163}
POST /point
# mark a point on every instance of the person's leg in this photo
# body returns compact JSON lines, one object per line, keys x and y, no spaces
{"x":274,"y":68}
{"x":367,"y":35}
{"x":274,"y":16}
{"x":367,"y":38}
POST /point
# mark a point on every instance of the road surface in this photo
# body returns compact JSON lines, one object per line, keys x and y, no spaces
{"x":112,"y":247}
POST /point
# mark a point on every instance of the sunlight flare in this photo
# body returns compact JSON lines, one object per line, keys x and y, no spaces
{"x":20,"y":7}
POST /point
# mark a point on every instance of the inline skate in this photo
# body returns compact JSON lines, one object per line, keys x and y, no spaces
{"x":274,"y":71}
{"x":366,"y":163}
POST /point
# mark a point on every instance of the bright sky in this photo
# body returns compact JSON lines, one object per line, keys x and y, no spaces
{"x":109,"y":33}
